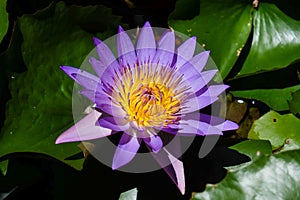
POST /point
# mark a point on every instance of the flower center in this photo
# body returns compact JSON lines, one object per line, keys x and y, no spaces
{"x":152,"y":105}
{"x":150,"y":95}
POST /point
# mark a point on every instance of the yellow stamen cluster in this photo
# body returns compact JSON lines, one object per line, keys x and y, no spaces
{"x":150,"y":95}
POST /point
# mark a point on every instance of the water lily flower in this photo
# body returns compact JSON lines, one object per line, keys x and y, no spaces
{"x":150,"y":87}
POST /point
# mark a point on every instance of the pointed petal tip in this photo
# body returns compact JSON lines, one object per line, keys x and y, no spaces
{"x":147,"y":24}
{"x":96,"y":41}
{"x":65,"y":138}
{"x":120,"y":29}
{"x":207,"y":52}
{"x":68,"y":69}
{"x":226,"y":87}
{"x":62,"y":67}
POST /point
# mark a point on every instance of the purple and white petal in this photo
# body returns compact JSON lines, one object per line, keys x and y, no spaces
{"x":227,"y":126}
{"x":154,"y":142}
{"x":202,"y":80}
{"x":188,"y":128}
{"x":126,"y":51}
{"x":165,"y":50}
{"x":85,"y":79}
{"x":105,"y":55}
{"x":112,"y":110}
{"x":194,"y":66}
{"x":114,"y":123}
{"x":197,"y":103}
{"x":175,"y":169}
{"x":126,"y":150}
{"x":97,"y":97}
{"x":185,"y":51}
{"x":205,"y":128}
{"x":145,"y":46}
{"x":215,"y":90}
{"x":98,"y":66}
{"x":85,"y":129}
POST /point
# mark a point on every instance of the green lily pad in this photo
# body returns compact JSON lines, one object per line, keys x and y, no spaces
{"x":276,"y":40}
{"x":253,"y":148}
{"x":185,"y":9}
{"x":223,"y":27}
{"x":3,"y":19}
{"x":129,"y":195}
{"x":278,"y":129}
{"x":277,"y":99}
{"x":268,"y":177}
{"x":40,"y":108}
{"x":294,"y":103}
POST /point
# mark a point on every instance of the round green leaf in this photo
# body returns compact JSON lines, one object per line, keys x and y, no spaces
{"x":276,"y":40}
{"x":3,"y":19}
{"x":278,"y":129}
{"x":277,"y":99}
{"x":222,"y":27}
{"x":268,"y":177}
{"x":40,"y":108}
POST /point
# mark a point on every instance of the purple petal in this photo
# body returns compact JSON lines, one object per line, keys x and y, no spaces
{"x":111,"y":109}
{"x":83,"y":78}
{"x":106,"y":57}
{"x":97,"y":66}
{"x":114,"y":123}
{"x":202,"y":80}
{"x":203,"y":128}
{"x":126,"y":150}
{"x":215,"y":90}
{"x":204,"y":99}
{"x":220,"y":123}
{"x":194,"y":66}
{"x":165,"y":50}
{"x":173,"y":130}
{"x":85,"y":129}
{"x":97,"y":97}
{"x":126,"y":50}
{"x":185,"y":51}
{"x":146,"y":46}
{"x":187,"y":129}
{"x":175,"y":170}
{"x":227,"y":126}
{"x":155,"y":142}
{"x":197,"y":103}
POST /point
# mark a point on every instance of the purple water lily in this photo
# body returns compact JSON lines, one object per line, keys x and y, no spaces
{"x":150,"y":87}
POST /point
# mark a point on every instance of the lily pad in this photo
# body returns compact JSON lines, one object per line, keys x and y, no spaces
{"x":185,"y":9}
{"x":294,"y":103}
{"x":268,"y":177}
{"x":276,"y":40}
{"x":277,"y":99}
{"x":222,"y":27}
{"x":3,"y":19}
{"x":278,"y":129}
{"x":253,"y":148}
{"x":40,"y":108}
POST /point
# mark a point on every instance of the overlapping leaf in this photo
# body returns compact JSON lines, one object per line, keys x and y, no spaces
{"x":223,"y":27}
{"x":268,"y":177}
{"x":280,"y":130}
{"x":40,"y":108}
{"x":277,"y":99}
{"x":294,"y":103}
{"x":276,"y":40}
